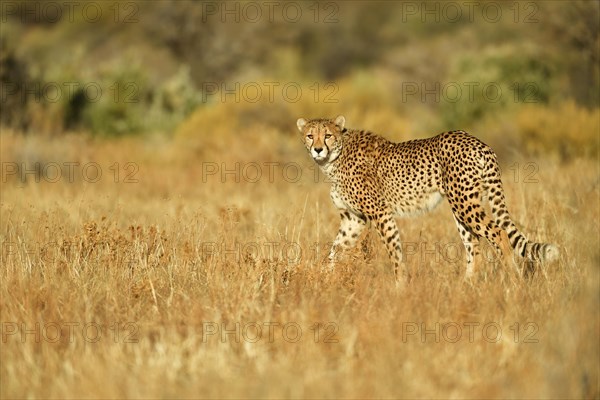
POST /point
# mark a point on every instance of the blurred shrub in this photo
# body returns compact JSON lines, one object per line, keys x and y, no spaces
{"x":119,"y":99}
{"x":14,"y":77}
{"x":365,"y":49}
{"x":131,"y":104}
{"x":361,"y":98}
{"x":494,"y":80}
{"x":123,"y":105}
{"x":566,"y":130}
{"x":572,"y":30}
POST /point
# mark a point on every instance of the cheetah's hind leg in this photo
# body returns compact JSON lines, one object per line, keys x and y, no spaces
{"x":471,"y":243}
{"x":479,"y":224}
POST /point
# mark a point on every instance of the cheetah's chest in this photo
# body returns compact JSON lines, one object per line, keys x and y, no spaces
{"x":338,"y":199}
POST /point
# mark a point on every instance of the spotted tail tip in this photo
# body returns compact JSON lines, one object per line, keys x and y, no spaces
{"x":551,"y":253}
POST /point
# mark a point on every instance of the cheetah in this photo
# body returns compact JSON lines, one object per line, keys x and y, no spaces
{"x":373,"y":180}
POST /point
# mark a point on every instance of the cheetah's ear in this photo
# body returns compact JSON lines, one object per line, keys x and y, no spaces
{"x":340,"y":121}
{"x":301,"y":123}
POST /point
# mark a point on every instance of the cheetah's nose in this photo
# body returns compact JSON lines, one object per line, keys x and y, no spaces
{"x":318,"y":150}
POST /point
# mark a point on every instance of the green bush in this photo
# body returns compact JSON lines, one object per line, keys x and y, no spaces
{"x":495,"y":80}
{"x":123,"y":101}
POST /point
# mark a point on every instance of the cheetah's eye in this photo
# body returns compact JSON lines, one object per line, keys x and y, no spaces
{"x":327,"y":136}
{"x":309,"y":136}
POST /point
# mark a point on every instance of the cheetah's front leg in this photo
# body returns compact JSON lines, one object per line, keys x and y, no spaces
{"x":388,"y":230}
{"x":351,"y":227}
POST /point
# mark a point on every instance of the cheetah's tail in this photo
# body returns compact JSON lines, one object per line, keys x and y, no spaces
{"x":532,"y":251}
{"x":544,"y":252}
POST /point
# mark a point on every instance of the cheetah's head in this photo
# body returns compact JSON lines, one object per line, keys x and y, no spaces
{"x":322,"y":137}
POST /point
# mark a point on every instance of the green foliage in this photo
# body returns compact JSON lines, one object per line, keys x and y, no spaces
{"x":496,"y":80}
{"x":151,"y":65}
{"x":131,"y":104}
{"x":120,"y":108}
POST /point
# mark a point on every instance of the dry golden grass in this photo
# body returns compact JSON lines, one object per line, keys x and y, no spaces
{"x":115,"y":288}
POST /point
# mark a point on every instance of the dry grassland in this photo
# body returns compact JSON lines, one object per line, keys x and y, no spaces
{"x":179,"y":273}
